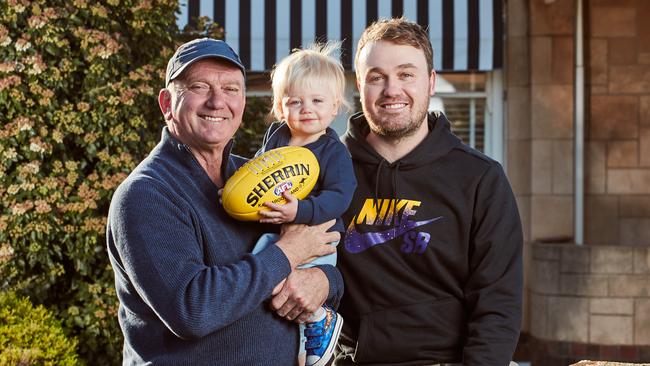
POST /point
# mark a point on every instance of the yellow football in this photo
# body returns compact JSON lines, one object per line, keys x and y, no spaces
{"x":264,"y":178}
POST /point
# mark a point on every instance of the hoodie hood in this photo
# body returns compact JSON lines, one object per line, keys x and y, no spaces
{"x":439,"y":142}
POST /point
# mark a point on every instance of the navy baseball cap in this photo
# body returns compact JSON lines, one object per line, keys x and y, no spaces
{"x":196,"y":50}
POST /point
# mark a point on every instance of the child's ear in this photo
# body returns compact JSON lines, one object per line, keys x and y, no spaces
{"x":337,"y":107}
{"x":279,"y":112}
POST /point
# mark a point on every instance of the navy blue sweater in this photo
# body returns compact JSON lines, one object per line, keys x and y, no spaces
{"x":336,"y":183}
{"x":190,"y":291}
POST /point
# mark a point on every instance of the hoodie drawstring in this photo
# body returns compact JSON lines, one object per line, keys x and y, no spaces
{"x":395,"y":189}
{"x":395,"y":193}
{"x":376,"y":198}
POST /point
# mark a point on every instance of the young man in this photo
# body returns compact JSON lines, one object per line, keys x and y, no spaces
{"x":190,"y":291}
{"x":431,"y":258}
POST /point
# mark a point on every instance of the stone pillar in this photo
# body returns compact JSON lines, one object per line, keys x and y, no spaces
{"x":518,"y":127}
{"x":618,"y":156}
{"x":551,"y":59}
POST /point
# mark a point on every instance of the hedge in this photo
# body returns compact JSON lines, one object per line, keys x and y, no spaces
{"x":78,"y":111}
{"x":78,"y":104}
{"x":32,"y":335}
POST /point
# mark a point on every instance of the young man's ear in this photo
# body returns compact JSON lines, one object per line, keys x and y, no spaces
{"x":432,"y":83}
{"x":165,"y":103}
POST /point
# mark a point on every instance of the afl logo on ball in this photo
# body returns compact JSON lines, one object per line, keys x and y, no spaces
{"x":282,"y":187}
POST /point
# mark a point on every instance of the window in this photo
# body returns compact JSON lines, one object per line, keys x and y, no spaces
{"x":461,"y":97}
{"x":473,"y":103}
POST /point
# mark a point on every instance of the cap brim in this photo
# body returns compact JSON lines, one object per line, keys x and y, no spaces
{"x":176,"y":73}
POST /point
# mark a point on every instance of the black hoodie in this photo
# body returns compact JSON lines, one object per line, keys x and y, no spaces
{"x":440,"y":281}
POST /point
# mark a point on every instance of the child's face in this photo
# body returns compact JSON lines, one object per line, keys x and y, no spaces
{"x":309,"y":111}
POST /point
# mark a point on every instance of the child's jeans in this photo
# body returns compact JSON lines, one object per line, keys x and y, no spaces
{"x":267,"y":239}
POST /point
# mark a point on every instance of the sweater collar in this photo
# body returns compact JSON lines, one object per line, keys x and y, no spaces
{"x":182,"y":154}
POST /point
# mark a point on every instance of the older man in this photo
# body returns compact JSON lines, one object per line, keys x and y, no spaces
{"x":432,"y":254}
{"x":190,"y":293}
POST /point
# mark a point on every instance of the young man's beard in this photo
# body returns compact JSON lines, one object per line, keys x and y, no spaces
{"x":399,"y":131}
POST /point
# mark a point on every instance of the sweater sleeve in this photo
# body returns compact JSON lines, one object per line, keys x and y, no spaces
{"x":335,"y":284}
{"x":494,"y":289}
{"x":336,"y":190}
{"x":158,"y":247}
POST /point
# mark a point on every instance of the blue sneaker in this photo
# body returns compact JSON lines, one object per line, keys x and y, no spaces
{"x":322,"y":336}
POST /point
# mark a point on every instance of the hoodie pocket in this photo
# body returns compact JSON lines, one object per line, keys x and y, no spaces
{"x":430,"y":330}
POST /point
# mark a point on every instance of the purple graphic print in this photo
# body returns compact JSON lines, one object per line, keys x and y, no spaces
{"x":356,"y":242}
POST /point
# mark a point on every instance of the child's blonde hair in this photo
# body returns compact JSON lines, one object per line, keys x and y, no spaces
{"x":318,"y":64}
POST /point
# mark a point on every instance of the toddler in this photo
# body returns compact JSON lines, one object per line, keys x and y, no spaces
{"x":308,"y":90}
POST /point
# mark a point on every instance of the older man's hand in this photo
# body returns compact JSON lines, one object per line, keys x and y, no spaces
{"x":302,"y":243}
{"x":304,"y":291}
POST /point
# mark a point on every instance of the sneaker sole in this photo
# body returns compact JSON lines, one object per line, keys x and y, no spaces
{"x":330,"y":349}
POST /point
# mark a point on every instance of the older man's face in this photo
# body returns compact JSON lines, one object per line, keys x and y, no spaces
{"x":204,"y":106}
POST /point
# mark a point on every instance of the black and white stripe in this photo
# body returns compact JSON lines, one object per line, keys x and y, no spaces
{"x":465,"y":34}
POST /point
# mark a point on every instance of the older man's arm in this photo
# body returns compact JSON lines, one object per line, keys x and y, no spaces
{"x":158,"y":259}
{"x":306,"y":290}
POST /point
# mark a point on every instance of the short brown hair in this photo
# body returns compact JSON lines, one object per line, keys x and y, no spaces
{"x":399,"y":31}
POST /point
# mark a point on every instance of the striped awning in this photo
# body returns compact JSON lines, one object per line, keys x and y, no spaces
{"x":465,"y":34}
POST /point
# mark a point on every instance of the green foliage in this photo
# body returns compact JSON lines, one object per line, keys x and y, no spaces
{"x":32,"y":335}
{"x":204,"y":27}
{"x":78,"y":110}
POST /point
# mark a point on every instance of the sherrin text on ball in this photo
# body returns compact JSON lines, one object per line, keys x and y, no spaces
{"x":266,"y":177}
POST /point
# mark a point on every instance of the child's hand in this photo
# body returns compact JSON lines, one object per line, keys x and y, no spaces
{"x":220,"y":192}
{"x":280,"y":214}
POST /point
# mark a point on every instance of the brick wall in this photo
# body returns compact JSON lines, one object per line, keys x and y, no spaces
{"x":591,"y":297}
{"x":539,"y":86}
